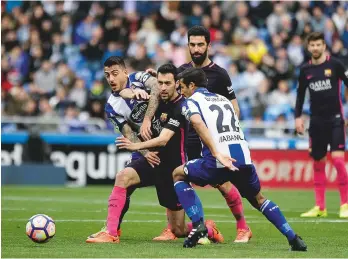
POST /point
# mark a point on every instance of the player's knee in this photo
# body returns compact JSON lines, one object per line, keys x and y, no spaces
{"x":123,"y":179}
{"x":178,"y":174}
{"x":260,"y":199}
{"x":224,"y":188}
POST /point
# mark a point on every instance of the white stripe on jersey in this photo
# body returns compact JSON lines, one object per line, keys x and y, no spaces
{"x":222,"y":122}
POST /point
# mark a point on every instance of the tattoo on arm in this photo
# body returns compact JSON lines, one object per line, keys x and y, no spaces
{"x":154,"y":97}
{"x":132,"y":136}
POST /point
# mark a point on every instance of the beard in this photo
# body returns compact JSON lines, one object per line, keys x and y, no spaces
{"x":317,"y":55}
{"x":200,"y":59}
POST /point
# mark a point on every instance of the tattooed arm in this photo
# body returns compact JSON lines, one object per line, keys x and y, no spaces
{"x":145,"y":129}
{"x":151,"y":157}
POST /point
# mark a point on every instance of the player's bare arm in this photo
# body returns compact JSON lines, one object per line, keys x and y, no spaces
{"x":160,"y":141}
{"x":301,"y":92}
{"x":235,"y":106}
{"x":205,"y":136}
{"x":145,"y":129}
{"x":151,"y":157}
{"x":138,"y":94}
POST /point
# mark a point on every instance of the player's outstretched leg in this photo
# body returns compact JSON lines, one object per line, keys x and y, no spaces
{"x":276,"y":217}
{"x":319,"y":210}
{"x":125,"y":178}
{"x":234,"y":202}
{"x":191,"y":204}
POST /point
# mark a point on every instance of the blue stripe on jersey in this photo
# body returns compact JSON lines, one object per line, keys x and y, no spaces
{"x":236,"y":152}
{"x":205,"y":149}
{"x":110,"y":111}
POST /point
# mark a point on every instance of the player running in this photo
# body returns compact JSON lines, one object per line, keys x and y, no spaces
{"x":218,"y":82}
{"x":141,"y":172}
{"x":217,"y":125}
{"x":323,"y":75}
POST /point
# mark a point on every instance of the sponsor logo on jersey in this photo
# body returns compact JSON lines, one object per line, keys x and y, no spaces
{"x":320,"y":85}
{"x":327,"y":72}
{"x":138,"y":112}
{"x":230,"y":89}
{"x":163,"y":117}
{"x":173,"y":122}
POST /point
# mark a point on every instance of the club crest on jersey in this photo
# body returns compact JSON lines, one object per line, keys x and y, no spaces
{"x":163,"y":117}
{"x":327,"y":72}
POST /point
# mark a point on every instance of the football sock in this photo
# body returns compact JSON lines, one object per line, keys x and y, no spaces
{"x":124,"y":211}
{"x":188,"y":199}
{"x":341,"y":178}
{"x":276,"y":217}
{"x":234,"y":202}
{"x":319,"y":184}
{"x":117,"y":201}
{"x":168,"y":224}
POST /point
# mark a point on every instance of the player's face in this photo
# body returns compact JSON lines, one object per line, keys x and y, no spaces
{"x":198,"y":49}
{"x":167,"y":86}
{"x":316,"y":48}
{"x":186,"y":90}
{"x":116,"y":76}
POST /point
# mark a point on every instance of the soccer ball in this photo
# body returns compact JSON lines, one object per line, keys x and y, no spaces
{"x":40,"y":228}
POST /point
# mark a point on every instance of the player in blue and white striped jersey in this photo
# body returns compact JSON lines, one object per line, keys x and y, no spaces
{"x":215,"y":121}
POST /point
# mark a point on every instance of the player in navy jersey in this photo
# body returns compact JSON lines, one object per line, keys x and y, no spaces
{"x":218,"y":82}
{"x":216,"y":122}
{"x":142,"y":171}
{"x":323,"y":76}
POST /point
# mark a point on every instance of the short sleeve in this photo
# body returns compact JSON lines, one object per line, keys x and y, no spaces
{"x":189,"y":108}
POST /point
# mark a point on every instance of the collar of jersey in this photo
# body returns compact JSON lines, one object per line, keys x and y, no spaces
{"x":201,"y":90}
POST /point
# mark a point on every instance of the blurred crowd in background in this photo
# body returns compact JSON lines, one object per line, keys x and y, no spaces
{"x":52,"y":53}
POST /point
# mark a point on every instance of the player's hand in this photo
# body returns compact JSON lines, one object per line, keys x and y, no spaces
{"x":152,"y":158}
{"x":299,"y":126}
{"x":141,"y":94}
{"x":226,"y":161}
{"x":145,"y":129}
{"x":124,"y":143}
{"x":151,"y":71}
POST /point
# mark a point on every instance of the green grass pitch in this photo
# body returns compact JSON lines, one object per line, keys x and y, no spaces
{"x":79,"y":212}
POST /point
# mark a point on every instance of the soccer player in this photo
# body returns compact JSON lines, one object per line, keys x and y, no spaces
{"x":141,"y":172}
{"x":218,"y":82}
{"x":322,"y":76}
{"x":216,"y":123}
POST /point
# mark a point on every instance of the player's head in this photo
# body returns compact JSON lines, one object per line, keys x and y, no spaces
{"x":316,"y":44}
{"x":190,"y":79}
{"x":198,"y":43}
{"x":115,"y":73}
{"x":166,"y":77}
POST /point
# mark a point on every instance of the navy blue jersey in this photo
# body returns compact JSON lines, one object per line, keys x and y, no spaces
{"x":219,"y":81}
{"x":324,"y":84}
{"x":168,"y":115}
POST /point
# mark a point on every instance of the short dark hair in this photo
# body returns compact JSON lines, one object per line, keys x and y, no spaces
{"x":194,"y":75}
{"x":168,"y":69}
{"x":114,"y":60}
{"x":315,"y":36}
{"x":198,"y":30}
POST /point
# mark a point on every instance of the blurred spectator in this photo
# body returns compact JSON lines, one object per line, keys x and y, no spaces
{"x":72,"y":122}
{"x":245,"y":30}
{"x":340,"y":18}
{"x":46,"y":77}
{"x":47,"y":45}
{"x":140,"y":62}
{"x":78,"y":94}
{"x":319,"y":19}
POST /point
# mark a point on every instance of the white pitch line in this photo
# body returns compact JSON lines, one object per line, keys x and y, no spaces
{"x":294,"y":220}
{"x":104,"y":201}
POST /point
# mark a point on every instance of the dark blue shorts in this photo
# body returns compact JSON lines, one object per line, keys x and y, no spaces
{"x":203,"y":171}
